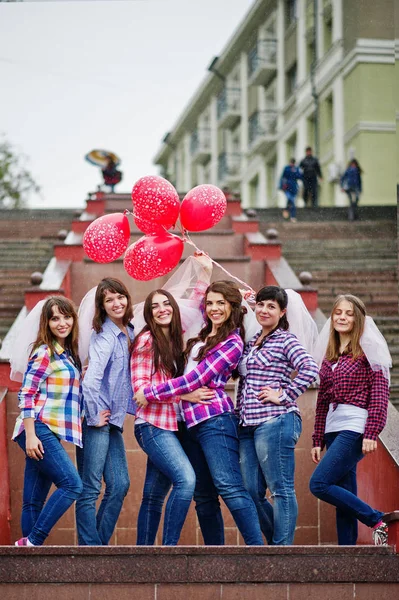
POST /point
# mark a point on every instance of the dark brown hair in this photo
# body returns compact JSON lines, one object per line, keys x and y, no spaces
{"x":45,"y":336}
{"x":279,"y":295}
{"x":231,"y":293}
{"x":354,"y":348}
{"x":109,"y":284}
{"x":168,"y":354}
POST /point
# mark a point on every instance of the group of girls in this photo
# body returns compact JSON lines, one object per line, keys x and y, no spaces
{"x":198,"y":444}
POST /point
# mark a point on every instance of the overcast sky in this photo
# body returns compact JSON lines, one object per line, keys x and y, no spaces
{"x":102,"y":74}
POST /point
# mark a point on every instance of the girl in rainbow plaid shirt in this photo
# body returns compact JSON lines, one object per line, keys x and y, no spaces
{"x":50,"y":402}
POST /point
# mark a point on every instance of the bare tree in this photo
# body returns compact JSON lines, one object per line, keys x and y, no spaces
{"x":16,"y":182}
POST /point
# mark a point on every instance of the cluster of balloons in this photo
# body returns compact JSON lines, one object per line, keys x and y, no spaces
{"x":156,"y":207}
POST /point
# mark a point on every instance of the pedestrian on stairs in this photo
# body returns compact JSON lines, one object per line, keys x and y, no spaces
{"x":351,"y":184}
{"x":311,"y":171}
{"x":351,"y":412}
{"x":289,"y":185}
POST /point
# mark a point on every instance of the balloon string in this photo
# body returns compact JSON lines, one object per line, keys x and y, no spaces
{"x":186,"y":238}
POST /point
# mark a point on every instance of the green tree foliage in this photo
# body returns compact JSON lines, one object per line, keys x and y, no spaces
{"x":16,"y":183}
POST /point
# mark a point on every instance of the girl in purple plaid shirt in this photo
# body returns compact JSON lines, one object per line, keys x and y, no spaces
{"x":351,"y":412}
{"x":270,"y":422}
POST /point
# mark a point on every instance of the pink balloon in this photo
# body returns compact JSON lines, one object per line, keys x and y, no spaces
{"x":153,"y":256}
{"x":107,"y":237}
{"x":155,"y":200}
{"x":148,"y":226}
{"x":202,"y":207}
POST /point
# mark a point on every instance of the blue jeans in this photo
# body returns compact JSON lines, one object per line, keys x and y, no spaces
{"x":334,"y":481}
{"x":103,"y":455}
{"x":167,"y":465}
{"x":218,"y":438}
{"x":291,"y":204}
{"x":206,"y":496}
{"x":353,"y":195}
{"x":38,"y":517}
{"x":268,"y":461}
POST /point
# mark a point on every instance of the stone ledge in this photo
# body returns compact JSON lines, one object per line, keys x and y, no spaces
{"x":189,"y":564}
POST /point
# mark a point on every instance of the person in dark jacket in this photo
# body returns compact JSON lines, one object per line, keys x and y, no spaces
{"x":289,"y":185}
{"x":310,"y":168}
{"x":111,"y":174}
{"x":351,"y":183}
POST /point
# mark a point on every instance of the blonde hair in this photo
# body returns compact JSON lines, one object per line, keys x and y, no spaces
{"x":354,"y":348}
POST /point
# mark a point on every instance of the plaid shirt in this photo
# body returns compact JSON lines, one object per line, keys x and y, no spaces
{"x":163,"y":414}
{"x":213,"y":371}
{"x":351,"y":382}
{"x":51,"y":393}
{"x":272,"y":365}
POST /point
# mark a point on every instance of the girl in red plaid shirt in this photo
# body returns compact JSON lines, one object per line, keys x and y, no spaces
{"x":351,"y":412}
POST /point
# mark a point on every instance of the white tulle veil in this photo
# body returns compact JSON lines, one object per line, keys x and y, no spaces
{"x":372,"y":343}
{"x":25,"y":335}
{"x":301,"y":323}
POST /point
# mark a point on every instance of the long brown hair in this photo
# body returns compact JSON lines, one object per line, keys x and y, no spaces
{"x":354,"y":348}
{"x":231,"y":293}
{"x":109,"y":284}
{"x":168,"y":354}
{"x":45,"y":336}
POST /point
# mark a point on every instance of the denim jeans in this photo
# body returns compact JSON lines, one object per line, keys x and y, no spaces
{"x":167,"y":465}
{"x":268,"y":462}
{"x":206,"y":496}
{"x":291,"y":207}
{"x":310,"y":186}
{"x":334,"y":481}
{"x":218,"y":438}
{"x":103,"y":455}
{"x":38,"y":516}
{"x":353,"y":195}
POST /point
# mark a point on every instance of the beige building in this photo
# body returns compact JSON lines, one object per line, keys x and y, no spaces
{"x":294,"y":73}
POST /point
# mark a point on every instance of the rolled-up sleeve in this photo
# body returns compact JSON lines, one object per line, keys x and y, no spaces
{"x":100,"y":352}
{"x":39,"y":368}
{"x":215,"y":362}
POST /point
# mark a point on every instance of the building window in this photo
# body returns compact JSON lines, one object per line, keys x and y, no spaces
{"x":290,"y":11}
{"x":291,"y":81}
{"x":327,"y":34}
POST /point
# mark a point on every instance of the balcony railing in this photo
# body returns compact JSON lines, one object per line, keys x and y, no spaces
{"x":262,"y":130}
{"x":262,"y":62}
{"x":229,"y":107}
{"x":229,"y":168}
{"x":200,"y":145}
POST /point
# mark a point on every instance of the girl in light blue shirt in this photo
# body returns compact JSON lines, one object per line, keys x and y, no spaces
{"x":107,"y":391}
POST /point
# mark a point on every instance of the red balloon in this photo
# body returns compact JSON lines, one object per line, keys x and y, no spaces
{"x":153,"y":256}
{"x":107,"y":238}
{"x":155,"y":200}
{"x":148,"y":226}
{"x":202,"y":207}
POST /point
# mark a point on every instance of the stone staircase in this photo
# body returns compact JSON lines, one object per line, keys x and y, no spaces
{"x":18,"y":260}
{"x":361,"y":259}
